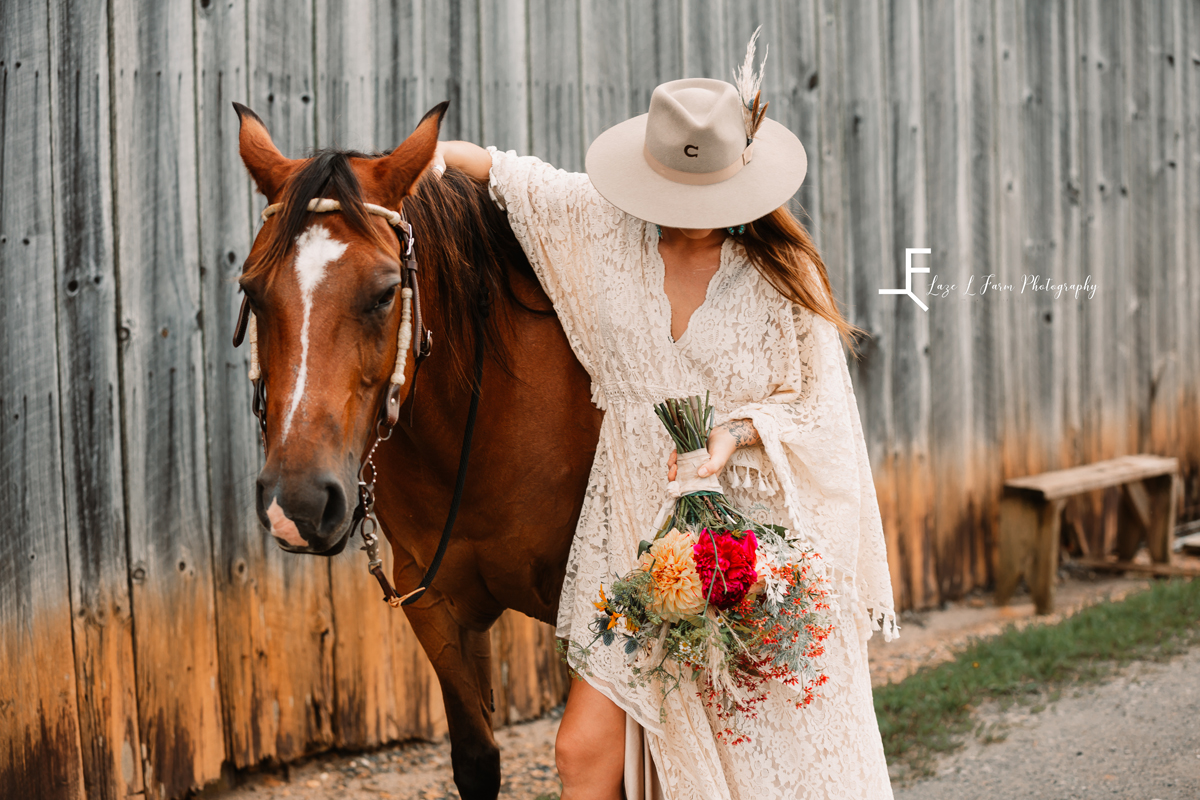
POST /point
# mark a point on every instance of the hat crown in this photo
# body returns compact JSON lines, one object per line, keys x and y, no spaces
{"x":695,"y":125}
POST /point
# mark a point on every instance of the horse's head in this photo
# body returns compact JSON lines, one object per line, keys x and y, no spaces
{"x":324,"y":289}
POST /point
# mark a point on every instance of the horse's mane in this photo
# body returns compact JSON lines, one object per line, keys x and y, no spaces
{"x":462,"y":239}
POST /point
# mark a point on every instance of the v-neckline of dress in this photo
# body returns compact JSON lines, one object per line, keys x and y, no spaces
{"x":659,"y":277}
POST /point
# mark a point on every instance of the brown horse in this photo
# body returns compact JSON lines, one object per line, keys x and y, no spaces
{"x":323,"y":288}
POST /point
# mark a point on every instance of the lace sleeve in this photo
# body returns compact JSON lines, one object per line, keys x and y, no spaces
{"x":813,"y":441}
{"x":557,"y":216}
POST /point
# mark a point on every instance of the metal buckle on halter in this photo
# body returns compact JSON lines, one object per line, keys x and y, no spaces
{"x":365,"y":513}
{"x":406,"y":236}
{"x":423,"y":337}
{"x":367,"y":525}
{"x":258,"y":404}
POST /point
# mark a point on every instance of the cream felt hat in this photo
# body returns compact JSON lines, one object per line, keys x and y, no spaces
{"x":687,"y":162}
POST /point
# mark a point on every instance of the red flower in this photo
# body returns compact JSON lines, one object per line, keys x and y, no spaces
{"x":726,"y":566}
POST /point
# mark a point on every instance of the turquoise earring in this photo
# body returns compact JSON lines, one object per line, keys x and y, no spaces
{"x":659,"y":229}
{"x":741,"y":229}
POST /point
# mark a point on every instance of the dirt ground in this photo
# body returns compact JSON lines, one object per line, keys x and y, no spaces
{"x":421,"y":770}
{"x":1134,"y":737}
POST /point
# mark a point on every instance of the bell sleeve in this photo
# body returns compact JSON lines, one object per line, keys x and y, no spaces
{"x":558,"y":217}
{"x":813,"y":443}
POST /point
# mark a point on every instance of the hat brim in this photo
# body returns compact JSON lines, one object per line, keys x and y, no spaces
{"x":621,"y":175}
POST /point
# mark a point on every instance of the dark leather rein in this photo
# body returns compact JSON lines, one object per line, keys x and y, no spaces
{"x":364,"y":519}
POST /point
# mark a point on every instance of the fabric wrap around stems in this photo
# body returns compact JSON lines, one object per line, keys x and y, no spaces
{"x":686,"y":482}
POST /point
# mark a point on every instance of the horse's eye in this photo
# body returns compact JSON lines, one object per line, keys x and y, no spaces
{"x":386,"y":298}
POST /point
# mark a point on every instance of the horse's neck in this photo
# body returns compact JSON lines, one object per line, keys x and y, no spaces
{"x":434,"y":415}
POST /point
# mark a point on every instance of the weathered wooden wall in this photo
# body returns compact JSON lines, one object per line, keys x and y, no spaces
{"x":150,"y":631}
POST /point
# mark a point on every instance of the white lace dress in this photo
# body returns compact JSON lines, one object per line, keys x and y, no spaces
{"x":765,"y":359}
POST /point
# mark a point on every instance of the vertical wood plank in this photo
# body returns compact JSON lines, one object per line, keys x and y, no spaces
{"x":944,"y":81}
{"x":556,"y":93}
{"x":704,"y":47}
{"x":1189,"y":60}
{"x":163,"y":396}
{"x":831,"y":190}
{"x":1067,"y":313}
{"x":504,"y":74}
{"x":346,"y":64}
{"x":655,"y":49}
{"x":92,"y":477}
{"x":1104,"y":196}
{"x":274,"y":621}
{"x":605,"y":65}
{"x":38,"y":716}
{"x":907,"y":510}
{"x":1145,"y":172}
{"x":1011,"y":237}
{"x":868,"y":216}
{"x":451,"y":65}
{"x":282,"y":76}
{"x":1164,"y":67}
{"x":985,"y":315}
{"x":399,"y":54}
{"x":795,"y":102}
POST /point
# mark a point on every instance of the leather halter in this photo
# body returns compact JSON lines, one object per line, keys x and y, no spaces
{"x":389,"y":412}
{"x":408,"y":281}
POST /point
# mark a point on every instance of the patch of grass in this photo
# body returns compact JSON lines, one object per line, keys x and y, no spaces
{"x":929,"y":712}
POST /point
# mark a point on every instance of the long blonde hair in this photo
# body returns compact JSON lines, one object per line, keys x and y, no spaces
{"x":778,"y":245}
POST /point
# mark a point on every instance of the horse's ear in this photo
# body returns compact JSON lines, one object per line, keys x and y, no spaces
{"x":396,"y":174}
{"x":262,"y":158}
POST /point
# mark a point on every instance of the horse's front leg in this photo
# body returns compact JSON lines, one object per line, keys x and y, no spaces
{"x":462,"y":660}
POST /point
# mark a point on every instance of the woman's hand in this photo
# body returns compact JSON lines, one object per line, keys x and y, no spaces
{"x":438,"y":165}
{"x":470,"y":158}
{"x":722,"y":442}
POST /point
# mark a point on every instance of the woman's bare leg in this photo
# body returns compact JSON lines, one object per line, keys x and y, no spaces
{"x":590,"y":748}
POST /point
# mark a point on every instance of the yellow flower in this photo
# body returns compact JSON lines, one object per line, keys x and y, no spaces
{"x":603,"y":604}
{"x":677,"y":591}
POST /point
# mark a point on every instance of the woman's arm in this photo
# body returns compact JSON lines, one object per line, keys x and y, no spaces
{"x":470,"y":158}
{"x":722,"y":442}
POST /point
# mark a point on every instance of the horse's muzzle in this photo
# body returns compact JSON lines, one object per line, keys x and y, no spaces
{"x":305,"y":514}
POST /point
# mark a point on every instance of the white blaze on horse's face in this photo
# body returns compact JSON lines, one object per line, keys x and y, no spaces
{"x":282,"y":527}
{"x":315,"y":250}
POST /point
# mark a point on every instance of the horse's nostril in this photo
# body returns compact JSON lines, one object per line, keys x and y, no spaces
{"x":335,"y":507}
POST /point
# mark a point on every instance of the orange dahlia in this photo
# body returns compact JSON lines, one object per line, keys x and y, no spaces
{"x":677,"y":591}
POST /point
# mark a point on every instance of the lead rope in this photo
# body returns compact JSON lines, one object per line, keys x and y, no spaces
{"x":365,"y":512}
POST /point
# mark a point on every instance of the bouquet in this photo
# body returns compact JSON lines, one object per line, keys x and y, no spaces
{"x":717,"y":597}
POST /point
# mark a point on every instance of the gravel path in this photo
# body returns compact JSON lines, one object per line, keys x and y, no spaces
{"x":421,"y":770}
{"x":1137,"y":736}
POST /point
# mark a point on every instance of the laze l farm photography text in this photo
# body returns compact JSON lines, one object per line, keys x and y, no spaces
{"x":984,"y":285}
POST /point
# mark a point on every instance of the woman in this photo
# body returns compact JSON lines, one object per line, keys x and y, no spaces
{"x":676,"y":269}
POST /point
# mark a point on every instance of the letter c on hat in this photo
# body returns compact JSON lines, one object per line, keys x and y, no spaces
{"x":695,"y":151}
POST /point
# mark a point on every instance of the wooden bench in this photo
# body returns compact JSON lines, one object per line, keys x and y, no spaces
{"x":1031,"y":510}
